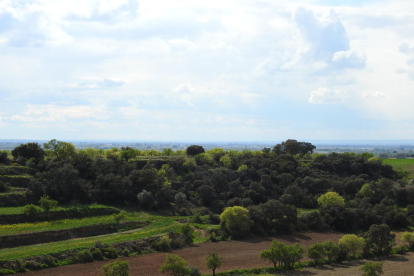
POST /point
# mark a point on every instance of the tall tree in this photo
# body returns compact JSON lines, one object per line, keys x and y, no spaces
{"x":214,"y":261}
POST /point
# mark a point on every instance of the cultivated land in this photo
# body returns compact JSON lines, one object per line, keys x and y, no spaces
{"x":236,"y":255}
{"x":401,"y":164}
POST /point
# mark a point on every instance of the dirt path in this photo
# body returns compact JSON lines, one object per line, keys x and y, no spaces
{"x":236,"y":254}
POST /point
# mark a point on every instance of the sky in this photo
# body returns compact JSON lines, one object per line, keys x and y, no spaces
{"x":258,"y":70}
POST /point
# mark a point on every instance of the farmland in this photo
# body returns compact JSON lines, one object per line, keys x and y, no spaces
{"x":401,"y":164}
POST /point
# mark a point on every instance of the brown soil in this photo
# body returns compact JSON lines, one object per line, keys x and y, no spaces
{"x":236,"y":254}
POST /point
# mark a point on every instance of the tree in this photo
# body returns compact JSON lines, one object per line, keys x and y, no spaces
{"x":127,"y":153}
{"x":47,"y":204}
{"x":31,"y":210}
{"x":226,"y":161}
{"x":353,"y":243}
{"x":28,"y":151}
{"x":60,"y":149}
{"x":214,"y":261}
{"x":408,"y":237}
{"x":330,"y":198}
{"x":236,"y":221}
{"x":284,"y":255}
{"x":366,"y":191}
{"x":380,"y":238}
{"x":120,"y":216}
{"x":372,"y":269}
{"x":174,"y":265}
{"x":316,"y":251}
{"x":274,"y":253}
{"x":331,"y":249}
{"x":293,"y":147}
{"x":188,"y":232}
{"x":194,"y":150}
{"x":117,"y":268}
{"x":146,"y":199}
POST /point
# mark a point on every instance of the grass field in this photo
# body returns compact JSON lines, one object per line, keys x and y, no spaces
{"x":401,"y":164}
{"x":19,"y":210}
{"x":24,"y":228}
{"x":158,"y":225}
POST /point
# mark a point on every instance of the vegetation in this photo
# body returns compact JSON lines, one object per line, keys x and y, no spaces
{"x":117,"y":268}
{"x":174,"y":265}
{"x":372,"y":269}
{"x":213,"y":261}
{"x":283,"y":255}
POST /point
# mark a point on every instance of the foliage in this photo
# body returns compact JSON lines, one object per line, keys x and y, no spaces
{"x":331,"y":250}
{"x":188,"y":233}
{"x":236,"y":221}
{"x":47,"y":204}
{"x":29,"y":151}
{"x":60,"y":148}
{"x":84,"y":256}
{"x":194,"y":150}
{"x":146,"y":199}
{"x":408,"y":237}
{"x":162,"y":244}
{"x":213,"y":261}
{"x":380,"y":238}
{"x":120,"y":216}
{"x":330,"y":198}
{"x":31,"y":210}
{"x":353,"y":243}
{"x":316,"y":252}
{"x":372,"y":269}
{"x":283,"y":255}
{"x":175,"y":266}
{"x":117,"y":268}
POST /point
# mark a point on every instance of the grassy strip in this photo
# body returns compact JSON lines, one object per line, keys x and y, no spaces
{"x":401,"y":164}
{"x":19,"y":210}
{"x":159,"y":225}
{"x":24,"y":228}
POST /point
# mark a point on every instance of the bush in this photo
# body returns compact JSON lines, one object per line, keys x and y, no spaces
{"x":146,"y":199}
{"x":194,"y":271}
{"x":97,"y":254}
{"x":47,"y":260}
{"x":162,"y":244}
{"x":4,"y":187}
{"x":111,"y":252}
{"x":31,"y":210}
{"x":47,"y":204}
{"x":84,"y":256}
{"x":32,"y":265}
{"x":116,"y":268}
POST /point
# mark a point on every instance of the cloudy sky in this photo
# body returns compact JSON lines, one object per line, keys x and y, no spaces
{"x":257,"y":70}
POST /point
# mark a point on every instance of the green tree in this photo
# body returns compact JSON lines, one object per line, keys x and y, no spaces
{"x":28,"y":151}
{"x":226,"y":161}
{"x":353,"y":243}
{"x":214,"y":261}
{"x":366,"y":190}
{"x":236,"y":221}
{"x":47,"y":204}
{"x":372,"y":269}
{"x":194,"y":150}
{"x":274,"y":254}
{"x":59,"y":148}
{"x":174,"y":265}
{"x":331,"y":249}
{"x":408,"y":237}
{"x":188,"y":232}
{"x":242,"y":168}
{"x":117,"y":268}
{"x":316,"y":252}
{"x":283,"y":255}
{"x":380,"y":238}
{"x":118,"y":217}
{"x":330,"y":198}
{"x":31,"y":210}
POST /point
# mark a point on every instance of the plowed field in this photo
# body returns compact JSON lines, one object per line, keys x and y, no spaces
{"x":236,"y":254}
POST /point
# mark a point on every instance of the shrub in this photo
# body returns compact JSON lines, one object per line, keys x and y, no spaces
{"x":194,"y":271}
{"x":32,"y":265}
{"x":180,"y":198}
{"x":188,"y":233}
{"x":31,"y":210}
{"x":84,"y":256}
{"x":97,"y":254}
{"x":117,"y":268}
{"x":146,"y":199}
{"x":4,"y":187}
{"x":47,"y":204}
{"x":174,"y":265}
{"x":111,"y":252}
{"x":372,"y":269}
{"x":162,"y":244}
{"x":48,"y":260}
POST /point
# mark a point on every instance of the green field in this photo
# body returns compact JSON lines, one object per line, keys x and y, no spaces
{"x":158,"y":225}
{"x":19,"y":210}
{"x":401,"y":164}
{"x":24,"y":228}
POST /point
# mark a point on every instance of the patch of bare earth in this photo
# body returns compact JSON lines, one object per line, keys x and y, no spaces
{"x":236,"y":255}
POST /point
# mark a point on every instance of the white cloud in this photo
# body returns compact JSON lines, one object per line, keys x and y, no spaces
{"x":327,"y":96}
